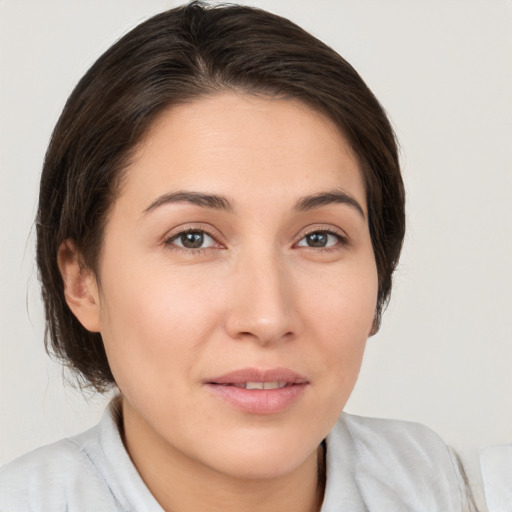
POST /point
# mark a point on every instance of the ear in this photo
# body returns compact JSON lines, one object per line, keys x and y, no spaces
{"x":80,"y":286}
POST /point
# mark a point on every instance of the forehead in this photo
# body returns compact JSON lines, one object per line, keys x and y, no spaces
{"x":243,"y":145}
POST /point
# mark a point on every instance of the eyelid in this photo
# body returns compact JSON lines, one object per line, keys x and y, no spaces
{"x":175,"y":233}
{"x":331,"y":230}
{"x":342,"y":239}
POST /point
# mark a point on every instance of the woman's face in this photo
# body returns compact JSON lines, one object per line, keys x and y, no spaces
{"x":237,"y":257}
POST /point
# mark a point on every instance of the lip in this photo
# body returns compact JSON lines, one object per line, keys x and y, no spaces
{"x":259,"y":401}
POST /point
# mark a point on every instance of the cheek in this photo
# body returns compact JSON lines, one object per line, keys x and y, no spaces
{"x":340,"y":318}
{"x":153,"y":323}
{"x":342,"y":303}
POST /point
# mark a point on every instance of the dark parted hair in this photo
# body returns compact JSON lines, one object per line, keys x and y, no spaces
{"x":174,"y":57}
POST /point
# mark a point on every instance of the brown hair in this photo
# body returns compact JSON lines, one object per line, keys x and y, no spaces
{"x":174,"y":57}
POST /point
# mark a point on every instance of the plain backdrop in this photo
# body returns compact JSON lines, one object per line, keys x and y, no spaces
{"x":443,"y":71}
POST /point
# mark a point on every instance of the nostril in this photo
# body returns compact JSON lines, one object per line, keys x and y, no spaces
{"x":266,"y":317}
{"x":265,"y":337}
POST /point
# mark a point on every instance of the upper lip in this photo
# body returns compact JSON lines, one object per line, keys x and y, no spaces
{"x":259,"y":375}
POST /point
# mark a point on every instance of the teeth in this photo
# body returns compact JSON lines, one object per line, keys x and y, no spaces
{"x":264,"y":385}
{"x":254,"y":385}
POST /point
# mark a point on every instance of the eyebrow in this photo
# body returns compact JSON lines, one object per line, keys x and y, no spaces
{"x":218,"y":202}
{"x":198,"y":198}
{"x":326,"y":198}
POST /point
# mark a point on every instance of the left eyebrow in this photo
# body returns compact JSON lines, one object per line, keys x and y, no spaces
{"x":326,"y":198}
{"x":213,"y":201}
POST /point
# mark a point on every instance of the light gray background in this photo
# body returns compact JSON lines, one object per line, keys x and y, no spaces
{"x":443,"y":71}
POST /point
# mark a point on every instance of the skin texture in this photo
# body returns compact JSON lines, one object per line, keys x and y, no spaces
{"x":255,"y":294}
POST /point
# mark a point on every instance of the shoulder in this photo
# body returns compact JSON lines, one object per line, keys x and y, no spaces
{"x":397,"y":464}
{"x":496,"y":465}
{"x":400,"y":439}
{"x":60,"y":476}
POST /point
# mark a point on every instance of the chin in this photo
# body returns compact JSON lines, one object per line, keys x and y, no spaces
{"x":267,"y":468}
{"x":257,"y":459}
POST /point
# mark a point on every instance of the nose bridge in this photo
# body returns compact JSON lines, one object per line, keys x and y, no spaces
{"x":262,"y":303}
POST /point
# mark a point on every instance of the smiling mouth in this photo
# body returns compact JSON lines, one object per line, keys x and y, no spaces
{"x":261,"y":392}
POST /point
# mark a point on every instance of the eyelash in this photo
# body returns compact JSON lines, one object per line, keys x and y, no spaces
{"x":169,"y":242}
{"x":342,"y":241}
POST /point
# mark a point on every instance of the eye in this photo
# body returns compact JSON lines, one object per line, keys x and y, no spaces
{"x":321,"y":239}
{"x":192,"y":239}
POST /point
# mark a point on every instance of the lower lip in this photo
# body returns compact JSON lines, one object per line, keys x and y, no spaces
{"x":259,"y":401}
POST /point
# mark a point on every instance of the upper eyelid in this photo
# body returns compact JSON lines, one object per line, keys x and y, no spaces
{"x":340,"y":240}
{"x":176,"y":232}
{"x":323,"y":229}
{"x":180,"y":233}
{"x":189,"y":230}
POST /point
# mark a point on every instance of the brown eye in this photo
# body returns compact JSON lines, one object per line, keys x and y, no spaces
{"x":319,"y":239}
{"x":192,"y":240}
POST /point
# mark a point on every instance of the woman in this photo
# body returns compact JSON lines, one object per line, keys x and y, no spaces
{"x":221,"y":212}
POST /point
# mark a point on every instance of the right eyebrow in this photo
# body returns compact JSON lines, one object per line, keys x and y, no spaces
{"x":214,"y":201}
{"x":338,"y":196}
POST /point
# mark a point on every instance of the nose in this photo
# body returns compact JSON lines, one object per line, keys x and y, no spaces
{"x":263,"y":302}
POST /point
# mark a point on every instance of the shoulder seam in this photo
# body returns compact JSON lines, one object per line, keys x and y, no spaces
{"x":96,"y":468}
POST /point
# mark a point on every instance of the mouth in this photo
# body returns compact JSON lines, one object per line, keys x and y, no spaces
{"x":254,"y":378}
{"x":259,"y":391}
{"x":261,"y":385}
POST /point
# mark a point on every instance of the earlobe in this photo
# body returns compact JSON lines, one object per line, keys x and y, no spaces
{"x":80,"y":286}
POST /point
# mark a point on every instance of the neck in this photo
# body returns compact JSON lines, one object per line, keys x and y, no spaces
{"x":181,"y":484}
